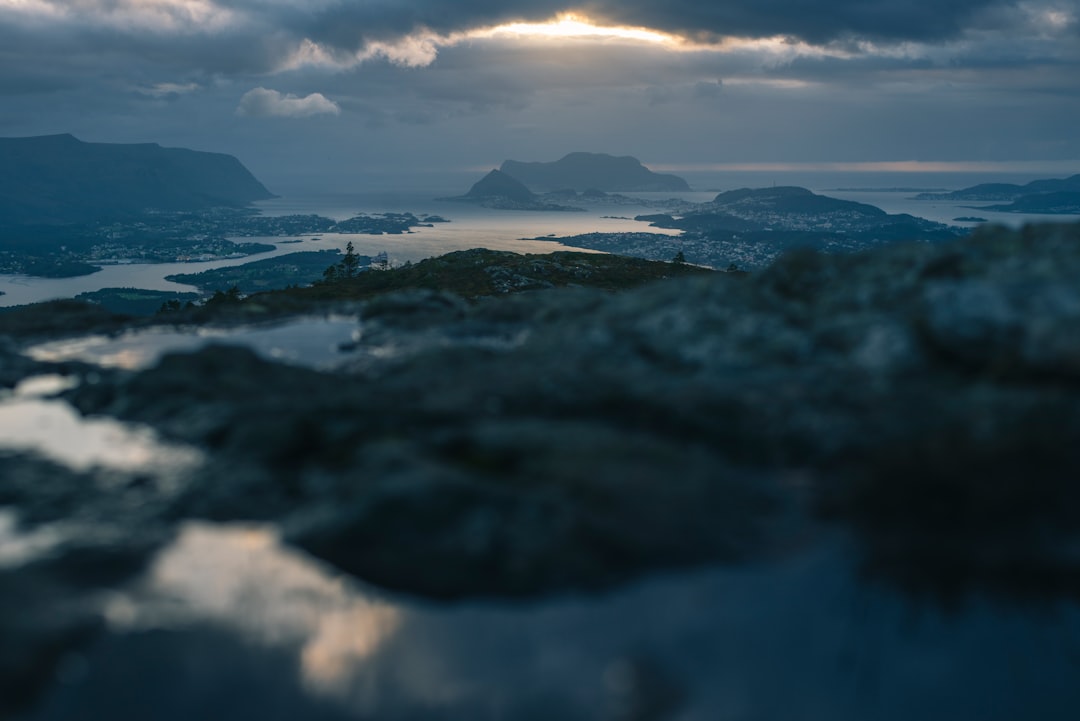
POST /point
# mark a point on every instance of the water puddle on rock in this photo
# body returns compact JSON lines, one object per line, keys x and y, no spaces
{"x":312,"y":342}
{"x":228,"y":614}
{"x":19,"y":546}
{"x":32,"y":421}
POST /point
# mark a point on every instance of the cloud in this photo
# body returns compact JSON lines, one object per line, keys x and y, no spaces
{"x":264,"y":103}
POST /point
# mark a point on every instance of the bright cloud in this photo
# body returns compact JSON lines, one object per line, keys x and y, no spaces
{"x":575,"y":26}
{"x":265,"y":103}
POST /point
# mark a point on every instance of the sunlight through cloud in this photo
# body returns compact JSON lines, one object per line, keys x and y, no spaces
{"x":576,"y":26}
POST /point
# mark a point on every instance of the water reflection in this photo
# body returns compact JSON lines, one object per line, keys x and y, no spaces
{"x":19,"y":546}
{"x":314,"y":342}
{"x":30,"y":421}
{"x":242,"y":577}
{"x":691,"y":646}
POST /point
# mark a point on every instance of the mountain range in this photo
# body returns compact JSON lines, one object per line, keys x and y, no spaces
{"x":59,"y":179}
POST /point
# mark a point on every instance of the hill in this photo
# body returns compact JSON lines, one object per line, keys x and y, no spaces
{"x":790,"y":200}
{"x":57,"y":179}
{"x":1056,"y":203}
{"x":593,"y":171}
{"x":1008,"y":191}
{"x":497,"y":184}
{"x":499,"y":191}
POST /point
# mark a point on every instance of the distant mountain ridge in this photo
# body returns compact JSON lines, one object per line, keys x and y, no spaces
{"x":56,"y":179}
{"x":1008,"y":191}
{"x":592,"y":171}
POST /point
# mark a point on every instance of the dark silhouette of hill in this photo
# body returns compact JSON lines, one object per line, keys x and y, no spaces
{"x":58,"y":179}
{"x":498,"y":184}
{"x":1055,"y":203}
{"x":791,"y":199}
{"x":1008,"y":191}
{"x":593,"y":171}
{"x":500,"y":191}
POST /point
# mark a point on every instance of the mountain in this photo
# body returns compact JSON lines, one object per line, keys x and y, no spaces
{"x":498,"y":184}
{"x":499,"y":191}
{"x":593,"y":171}
{"x":59,"y":179}
{"x":1008,"y":191}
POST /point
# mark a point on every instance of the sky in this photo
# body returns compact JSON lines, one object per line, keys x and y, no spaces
{"x":328,"y":93}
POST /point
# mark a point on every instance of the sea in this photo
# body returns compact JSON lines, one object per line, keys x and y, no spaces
{"x":475,"y":227}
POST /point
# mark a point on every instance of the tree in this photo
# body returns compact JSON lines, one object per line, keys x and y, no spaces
{"x":231,"y":296}
{"x":679,"y":258}
{"x":349,"y":266}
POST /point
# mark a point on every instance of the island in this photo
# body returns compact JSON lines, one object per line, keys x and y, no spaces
{"x":593,"y":171}
{"x":750,"y":227}
{"x":1055,"y":196}
{"x":499,"y":191}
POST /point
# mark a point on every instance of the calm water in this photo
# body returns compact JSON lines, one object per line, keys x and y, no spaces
{"x":474,"y":227}
{"x":471,"y":227}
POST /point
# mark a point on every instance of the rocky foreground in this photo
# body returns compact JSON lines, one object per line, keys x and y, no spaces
{"x":926,"y":397}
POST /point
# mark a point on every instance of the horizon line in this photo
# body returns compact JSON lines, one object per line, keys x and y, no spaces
{"x":889,"y":166}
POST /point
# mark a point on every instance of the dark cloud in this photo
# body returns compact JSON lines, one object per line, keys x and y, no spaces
{"x":852,"y":80}
{"x":821,"y":21}
{"x":351,"y":24}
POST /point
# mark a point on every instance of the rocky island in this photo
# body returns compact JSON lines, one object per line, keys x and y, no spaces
{"x":593,"y":171}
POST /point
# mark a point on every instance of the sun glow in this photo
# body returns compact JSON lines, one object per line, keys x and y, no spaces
{"x":576,"y":26}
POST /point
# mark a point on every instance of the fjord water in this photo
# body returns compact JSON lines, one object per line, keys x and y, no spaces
{"x":472,"y":226}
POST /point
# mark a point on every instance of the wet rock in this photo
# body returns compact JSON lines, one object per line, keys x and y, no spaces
{"x":520,"y":507}
{"x":1024,"y":327}
{"x":65,"y":538}
{"x":58,"y":318}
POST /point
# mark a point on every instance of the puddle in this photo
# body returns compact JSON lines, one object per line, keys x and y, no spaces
{"x":241,"y":576}
{"x":228,"y":614}
{"x":313,"y":342}
{"x":31,"y":421}
{"x":18,"y":547}
{"x":43,"y":386}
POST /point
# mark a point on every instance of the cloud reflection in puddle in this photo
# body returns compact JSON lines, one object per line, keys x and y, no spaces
{"x":31,"y":421}
{"x":313,"y":342}
{"x":241,"y":576}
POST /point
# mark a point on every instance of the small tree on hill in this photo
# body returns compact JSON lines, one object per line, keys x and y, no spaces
{"x":349,"y":266}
